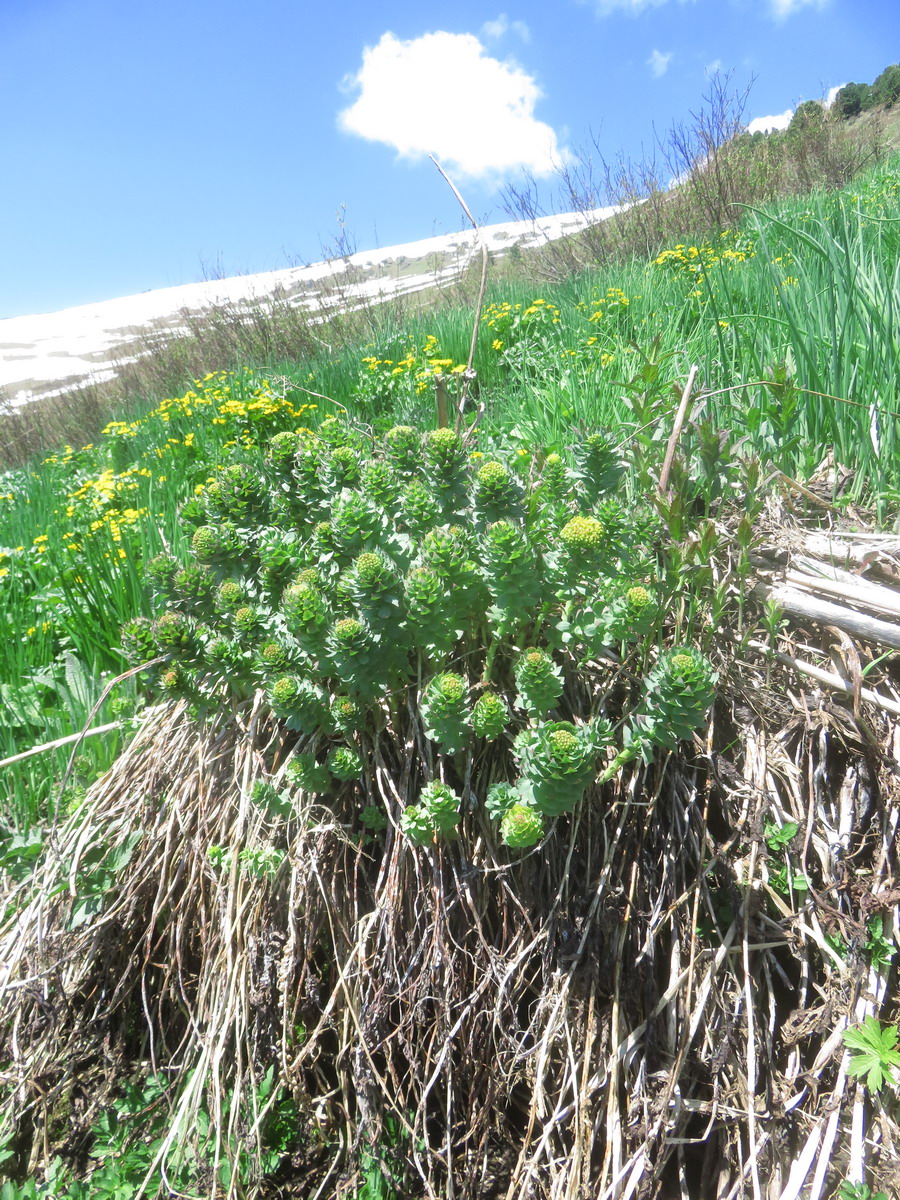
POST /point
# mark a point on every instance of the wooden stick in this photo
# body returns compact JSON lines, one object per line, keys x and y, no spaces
{"x":809,"y":608}
{"x":833,"y":681}
{"x":848,"y":587}
{"x":680,"y":418}
{"x":63,"y":741}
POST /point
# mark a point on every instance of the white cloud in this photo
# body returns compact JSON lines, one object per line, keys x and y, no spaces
{"x":832,"y":94}
{"x":767,"y":124}
{"x":493,"y":30}
{"x":659,"y":63}
{"x":441,"y":94}
{"x":785,"y":8}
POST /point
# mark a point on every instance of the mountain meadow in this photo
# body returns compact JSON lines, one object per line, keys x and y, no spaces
{"x":450,"y":750}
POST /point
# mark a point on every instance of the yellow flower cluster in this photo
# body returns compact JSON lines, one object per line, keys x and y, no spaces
{"x":731,"y":249}
{"x":418,"y":366}
{"x":613,"y":301}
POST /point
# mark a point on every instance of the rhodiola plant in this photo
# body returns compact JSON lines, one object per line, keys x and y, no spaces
{"x":454,"y":602}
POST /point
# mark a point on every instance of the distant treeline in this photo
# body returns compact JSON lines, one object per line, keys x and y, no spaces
{"x":855,"y":98}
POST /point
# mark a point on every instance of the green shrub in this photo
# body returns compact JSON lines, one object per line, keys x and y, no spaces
{"x":440,"y":575}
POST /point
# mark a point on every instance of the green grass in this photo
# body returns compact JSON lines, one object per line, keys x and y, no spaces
{"x":800,"y":305}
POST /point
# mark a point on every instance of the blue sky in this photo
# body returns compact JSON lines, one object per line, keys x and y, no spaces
{"x":149,"y":143}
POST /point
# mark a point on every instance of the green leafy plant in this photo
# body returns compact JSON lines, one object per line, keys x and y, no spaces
{"x":876,"y":1055}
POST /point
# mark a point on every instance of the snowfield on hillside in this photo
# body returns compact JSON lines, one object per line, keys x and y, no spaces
{"x":48,"y":353}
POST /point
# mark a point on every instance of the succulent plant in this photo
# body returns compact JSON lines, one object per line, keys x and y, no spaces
{"x":490,"y":716}
{"x":174,"y":631}
{"x":241,"y":493}
{"x":558,"y":761}
{"x":678,"y":693}
{"x":306,"y":615}
{"x":346,"y":714}
{"x":444,"y":452}
{"x":298,"y":701}
{"x":497,"y":491}
{"x":306,"y":773}
{"x":446,"y":712}
{"x":539,"y":681}
{"x":230,"y":594}
{"x":380,"y":484}
{"x":521,"y":826}
{"x":273,"y":657}
{"x":193,"y":588}
{"x":344,"y":763}
{"x":598,"y":466}
{"x":582,"y":537}
{"x":419,"y":509}
{"x":214,"y":543}
{"x":403,"y":447}
{"x":343,"y":468}
{"x":282,"y":448}
{"x":138,"y":642}
{"x":554,"y":478}
{"x":500,"y":798}
{"x":159,"y":572}
{"x":431,"y":619}
{"x":435,"y":815}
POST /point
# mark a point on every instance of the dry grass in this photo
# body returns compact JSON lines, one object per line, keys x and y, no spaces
{"x":633,"y":1008}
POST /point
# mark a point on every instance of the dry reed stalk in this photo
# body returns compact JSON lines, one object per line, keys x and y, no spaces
{"x":636,"y":1007}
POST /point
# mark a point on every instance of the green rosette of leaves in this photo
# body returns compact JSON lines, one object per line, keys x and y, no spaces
{"x":448,"y":551}
{"x":496,"y":492}
{"x":431,"y":619}
{"x":308,"y":493}
{"x":554,"y":479}
{"x":512,"y":572}
{"x":277,"y":554}
{"x":240,"y":494}
{"x":364,"y":661}
{"x":521,"y":826}
{"x":376,"y":589}
{"x":305,"y":773}
{"x":678,"y":693}
{"x":599,"y":467}
{"x":558,"y":761}
{"x":307,"y":616}
{"x":298,"y":702}
{"x":420,"y":510}
{"x":403,"y":450}
{"x":357,"y":525}
{"x":193,"y":587}
{"x":281,"y":450}
{"x":337,"y":431}
{"x":342,"y":469}
{"x":445,"y":468}
{"x":435,"y":816}
{"x":446,"y":713}
{"x":273,"y":658}
{"x":175,"y":634}
{"x":539,"y":681}
{"x":584,"y":545}
{"x":347,"y":715}
{"x":380,"y":484}
{"x":490,"y":716}
{"x":216,"y":544}
{"x":159,"y":574}
{"x":624,"y":617}
{"x":344,"y":763}
{"x":138,"y":641}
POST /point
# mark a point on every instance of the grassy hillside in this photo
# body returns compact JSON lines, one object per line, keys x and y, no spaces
{"x":292,"y":939}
